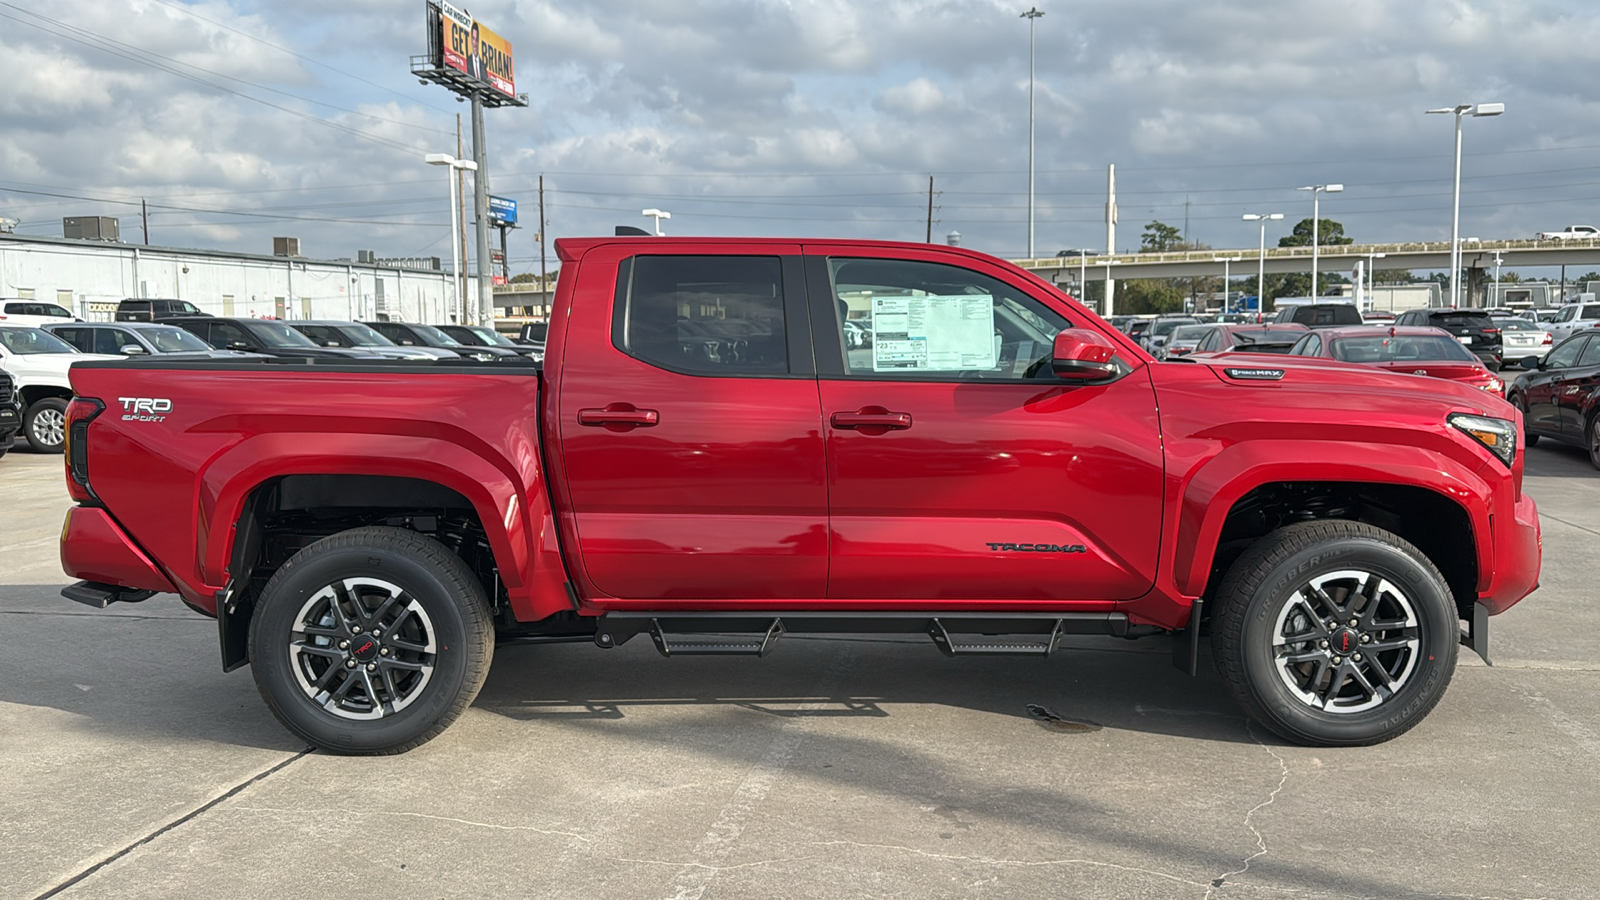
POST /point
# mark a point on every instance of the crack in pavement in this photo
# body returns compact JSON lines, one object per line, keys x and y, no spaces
{"x":181,"y":820}
{"x":410,"y":815}
{"x":1261,"y":840}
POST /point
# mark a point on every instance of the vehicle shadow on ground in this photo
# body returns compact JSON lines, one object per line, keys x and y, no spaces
{"x":1097,"y":683}
{"x":1553,"y":458}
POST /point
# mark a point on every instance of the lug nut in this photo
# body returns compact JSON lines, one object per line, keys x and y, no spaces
{"x":1356,"y":657}
{"x":1366,"y":639}
{"x":1322,"y":644}
{"x":1354,"y":622}
{"x":344,"y":645}
{"x":383,"y":651}
{"x":1337,"y":660}
{"x":372,"y":667}
{"x":356,"y":630}
{"x":349,"y":664}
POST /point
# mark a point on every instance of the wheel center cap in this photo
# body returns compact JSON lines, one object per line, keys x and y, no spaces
{"x":364,"y":649}
{"x":1344,"y":640}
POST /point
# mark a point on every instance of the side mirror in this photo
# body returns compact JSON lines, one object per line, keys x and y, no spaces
{"x":1531,"y":362}
{"x":237,"y":345}
{"x":131,"y":350}
{"x":1084,"y":356}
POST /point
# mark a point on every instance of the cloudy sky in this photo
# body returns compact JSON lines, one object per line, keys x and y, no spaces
{"x":238,"y":120}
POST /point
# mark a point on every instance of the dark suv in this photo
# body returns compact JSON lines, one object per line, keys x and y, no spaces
{"x":410,"y":334}
{"x":10,"y":412}
{"x":1320,"y":315}
{"x":267,"y":336}
{"x":131,"y":310}
{"x":1472,"y":327}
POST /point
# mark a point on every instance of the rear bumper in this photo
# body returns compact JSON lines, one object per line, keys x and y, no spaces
{"x":1518,"y":552}
{"x":95,"y":548}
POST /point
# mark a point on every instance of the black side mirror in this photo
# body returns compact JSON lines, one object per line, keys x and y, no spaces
{"x":1531,"y":362}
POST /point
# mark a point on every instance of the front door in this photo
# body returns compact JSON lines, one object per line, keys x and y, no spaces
{"x":1577,"y":390}
{"x":1544,"y":390}
{"x":690,"y":429}
{"x":960,"y":468}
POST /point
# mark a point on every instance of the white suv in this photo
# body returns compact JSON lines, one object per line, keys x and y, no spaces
{"x":34,"y":313}
{"x":39,"y":361}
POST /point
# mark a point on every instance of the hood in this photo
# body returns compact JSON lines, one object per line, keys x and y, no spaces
{"x":1356,"y":386}
{"x":49,"y":368}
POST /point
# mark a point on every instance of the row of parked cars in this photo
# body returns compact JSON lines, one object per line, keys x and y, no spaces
{"x":40,"y":341}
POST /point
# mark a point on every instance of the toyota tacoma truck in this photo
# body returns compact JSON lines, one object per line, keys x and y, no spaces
{"x":705,"y":461}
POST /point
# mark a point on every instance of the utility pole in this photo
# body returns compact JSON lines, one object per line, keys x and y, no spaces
{"x":461,"y":233}
{"x":480,"y":197}
{"x":1111,"y":234}
{"x":144,"y":219}
{"x":1032,"y":16}
{"x":929,"y":238}
{"x":544,"y":275}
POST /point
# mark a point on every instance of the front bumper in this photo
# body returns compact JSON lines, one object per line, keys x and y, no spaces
{"x":1518,"y":553}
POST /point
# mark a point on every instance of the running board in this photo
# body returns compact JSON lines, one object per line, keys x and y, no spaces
{"x":746,"y":633}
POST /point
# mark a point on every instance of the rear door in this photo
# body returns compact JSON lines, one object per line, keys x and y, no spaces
{"x":1578,"y":387}
{"x":690,"y":430}
{"x":959,"y":467}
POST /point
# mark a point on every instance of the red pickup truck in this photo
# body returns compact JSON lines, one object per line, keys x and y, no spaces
{"x":704,"y":458}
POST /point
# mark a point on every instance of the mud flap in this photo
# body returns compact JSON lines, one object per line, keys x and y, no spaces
{"x":1186,"y":644}
{"x":1476,"y":635}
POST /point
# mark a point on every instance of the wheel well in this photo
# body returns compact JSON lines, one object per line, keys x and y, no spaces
{"x":33,"y":393}
{"x":1433,"y":523}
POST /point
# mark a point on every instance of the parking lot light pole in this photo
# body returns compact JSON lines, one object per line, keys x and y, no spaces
{"x":1225,"y":260}
{"x":1316,"y":227}
{"x":1477,"y":110}
{"x":445,"y":159}
{"x":1261,"y":273}
{"x":1031,"y":15}
{"x":658,"y":215}
{"x":1370,"y":300}
{"x":1083,"y":272}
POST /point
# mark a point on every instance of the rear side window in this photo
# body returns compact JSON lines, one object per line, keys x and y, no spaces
{"x":82,"y":338}
{"x":706,"y":315}
{"x":1591,"y":354}
{"x":1590,"y":312}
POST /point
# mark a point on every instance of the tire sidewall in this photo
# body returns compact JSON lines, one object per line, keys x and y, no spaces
{"x":1436,"y":653}
{"x":32,"y":416}
{"x":270,"y":637}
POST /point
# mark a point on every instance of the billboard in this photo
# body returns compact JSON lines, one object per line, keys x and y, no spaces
{"x":468,"y":47}
{"x":502,"y":211}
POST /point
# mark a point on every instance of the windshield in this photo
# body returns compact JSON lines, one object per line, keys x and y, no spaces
{"x":360,"y":335}
{"x":1460,"y":320}
{"x":535,"y":331}
{"x":1265,"y":341}
{"x":277,"y":334}
{"x":33,"y":340}
{"x":495,"y":338}
{"x":1517,"y":325}
{"x":439,"y":338}
{"x":174,"y":340}
{"x":1401,"y":348}
{"x":1166,"y":326}
{"x":1190,"y":332}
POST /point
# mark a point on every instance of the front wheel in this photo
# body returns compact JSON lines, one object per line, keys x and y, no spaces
{"x":371,"y":641}
{"x":1594,"y":440}
{"x":45,"y":425}
{"x":1335,"y":633}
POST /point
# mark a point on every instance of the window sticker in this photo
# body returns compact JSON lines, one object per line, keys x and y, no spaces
{"x":933,"y":333}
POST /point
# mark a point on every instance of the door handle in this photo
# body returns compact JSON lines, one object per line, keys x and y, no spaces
{"x":623,"y":414}
{"x":872,"y":417}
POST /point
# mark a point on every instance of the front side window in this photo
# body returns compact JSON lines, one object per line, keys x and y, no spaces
{"x":228,"y":336}
{"x":708,"y":315}
{"x":322,"y":334}
{"x":1566,"y":355}
{"x":1591,"y":354}
{"x":82,"y":338}
{"x":277,"y":334}
{"x":940,"y":322}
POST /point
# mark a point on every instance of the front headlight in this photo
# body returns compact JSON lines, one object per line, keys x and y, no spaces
{"x":1498,"y":436}
{"x":483,"y":357}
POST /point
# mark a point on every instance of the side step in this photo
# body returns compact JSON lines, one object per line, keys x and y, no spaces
{"x":100,"y":596}
{"x":746,"y":633}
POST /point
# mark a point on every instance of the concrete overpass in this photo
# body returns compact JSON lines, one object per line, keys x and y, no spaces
{"x":1477,"y":258}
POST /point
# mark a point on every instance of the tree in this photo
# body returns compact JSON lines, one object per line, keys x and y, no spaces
{"x":1331,"y":233}
{"x":1149,"y":295}
{"x":1160,"y":237}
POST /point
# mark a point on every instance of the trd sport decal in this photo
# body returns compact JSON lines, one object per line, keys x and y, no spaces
{"x":1038,"y":548}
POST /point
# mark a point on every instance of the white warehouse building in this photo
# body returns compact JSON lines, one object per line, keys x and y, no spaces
{"x":90,"y":277}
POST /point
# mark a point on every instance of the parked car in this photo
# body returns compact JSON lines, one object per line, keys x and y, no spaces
{"x":997,"y":490}
{"x":1267,"y":337}
{"x":533,"y":332}
{"x":1476,"y":331}
{"x":1184,"y":340}
{"x":1523,"y":339}
{"x":1160,"y":331}
{"x":1560,"y":395}
{"x":269,"y":337}
{"x":1546,"y":316}
{"x":154,"y":310}
{"x":356,"y":336}
{"x":856,"y":336}
{"x":1320,"y":315}
{"x":485,"y":336}
{"x":33,"y":313}
{"x":38,"y":362}
{"x":1570,"y":232}
{"x":1407,"y":350}
{"x":139,"y":339}
{"x":412,"y":334}
{"x":10,"y":412}
{"x":1377,"y":317}
{"x":1574,"y":317}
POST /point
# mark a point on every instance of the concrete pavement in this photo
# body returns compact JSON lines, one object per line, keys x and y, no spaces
{"x":132,"y":767}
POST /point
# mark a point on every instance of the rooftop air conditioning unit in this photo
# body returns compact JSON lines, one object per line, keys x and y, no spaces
{"x":90,"y":228}
{"x":285,"y":246}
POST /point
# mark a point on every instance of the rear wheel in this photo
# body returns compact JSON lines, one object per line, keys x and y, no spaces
{"x":1594,"y":440}
{"x":1335,"y":633}
{"x":45,"y":425}
{"x":371,"y":641}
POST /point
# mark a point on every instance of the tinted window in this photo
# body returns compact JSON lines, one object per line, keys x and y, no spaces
{"x":1460,"y":320}
{"x":704,"y":314}
{"x":1190,"y":333}
{"x":356,"y":334}
{"x":111,"y":340}
{"x":1381,"y":348}
{"x":535,"y":331}
{"x":1565,"y":355}
{"x":1327,"y":315}
{"x":175,"y":340}
{"x":1591,"y":354}
{"x":323,"y":335}
{"x":82,"y":338}
{"x":228,"y":335}
{"x":50,"y":309}
{"x":277,"y":334}
{"x":930,"y":320}
{"x":1264,"y":341}
{"x":1589,"y":312}
{"x":1167,"y":326}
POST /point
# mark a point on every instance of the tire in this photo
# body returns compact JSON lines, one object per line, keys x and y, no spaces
{"x":45,"y":425}
{"x":1408,"y":635}
{"x":318,"y":614}
{"x":1529,"y":439}
{"x":1594,"y":440}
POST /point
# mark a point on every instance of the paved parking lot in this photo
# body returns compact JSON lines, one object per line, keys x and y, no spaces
{"x":132,"y":767}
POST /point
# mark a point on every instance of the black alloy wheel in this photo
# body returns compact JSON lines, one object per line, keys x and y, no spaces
{"x":371,"y":641}
{"x":1335,"y":633}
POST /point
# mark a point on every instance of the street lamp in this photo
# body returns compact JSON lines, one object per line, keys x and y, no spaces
{"x":658,"y":215}
{"x":1030,"y":15}
{"x":1371,"y":298}
{"x":1108,"y":263}
{"x":1316,"y":227}
{"x":1261,"y":274}
{"x":1225,"y":260}
{"x":445,"y":159}
{"x":1460,"y":109}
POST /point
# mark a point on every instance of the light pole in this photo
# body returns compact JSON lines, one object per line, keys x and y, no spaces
{"x":1316,"y":227}
{"x":1108,"y":263}
{"x":1225,"y":260}
{"x":1083,"y":272}
{"x":1030,"y":15}
{"x":1371,"y":298}
{"x":1497,"y":295}
{"x":1261,"y":273}
{"x":445,"y":159}
{"x":1460,"y":109}
{"x":658,"y":215}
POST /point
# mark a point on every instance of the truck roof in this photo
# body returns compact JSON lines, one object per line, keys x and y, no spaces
{"x":572,"y":249}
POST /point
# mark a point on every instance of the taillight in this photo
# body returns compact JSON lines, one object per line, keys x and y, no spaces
{"x":1491,"y":331}
{"x":1549,"y":339}
{"x":80,"y":412}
